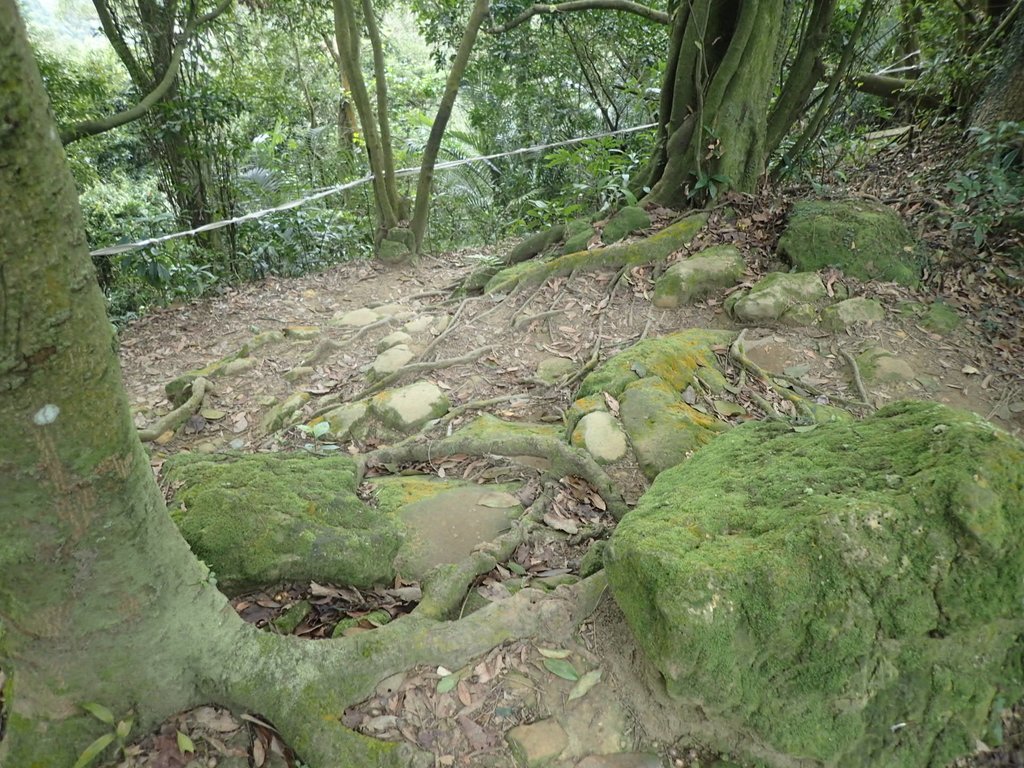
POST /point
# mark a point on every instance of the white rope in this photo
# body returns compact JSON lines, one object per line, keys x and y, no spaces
{"x":115,"y":249}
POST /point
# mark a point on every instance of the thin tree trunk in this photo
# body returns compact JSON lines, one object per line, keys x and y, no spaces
{"x":421,"y":212}
{"x":347,"y":33}
{"x":383,"y":119}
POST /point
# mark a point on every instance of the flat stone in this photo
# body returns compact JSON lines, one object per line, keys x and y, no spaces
{"x":551,"y":369}
{"x":418,"y":325}
{"x":390,"y":310}
{"x":356,"y":318}
{"x":940,"y":318}
{"x":855,"y":311}
{"x":345,"y":419}
{"x":445,"y":523}
{"x":880,"y":366}
{"x":537,"y":742}
{"x":711,"y":270}
{"x":408,"y":408}
{"x":390,"y":360}
{"x":393,"y":340}
{"x":602,"y":436}
{"x":301,"y":332}
{"x":769,"y":299}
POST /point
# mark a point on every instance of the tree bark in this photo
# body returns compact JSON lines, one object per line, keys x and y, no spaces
{"x":444,"y":113}
{"x":715,"y":99}
{"x":101,"y":600}
{"x":1003,"y":96}
{"x":347,"y":34}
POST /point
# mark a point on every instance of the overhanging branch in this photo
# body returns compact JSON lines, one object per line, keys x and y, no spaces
{"x":583,"y":5}
{"x":101,"y":125}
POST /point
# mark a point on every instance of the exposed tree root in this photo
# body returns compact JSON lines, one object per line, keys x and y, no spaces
{"x":304,"y":687}
{"x":857,"y":379}
{"x":429,"y":365}
{"x":738,"y":354}
{"x":179,"y":415}
{"x":488,"y":436}
{"x":525,"y":320}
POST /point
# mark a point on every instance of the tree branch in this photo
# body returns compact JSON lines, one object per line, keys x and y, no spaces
{"x":101,"y":125}
{"x":583,"y":5}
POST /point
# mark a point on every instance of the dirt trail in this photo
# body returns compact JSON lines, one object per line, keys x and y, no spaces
{"x":579,"y":318}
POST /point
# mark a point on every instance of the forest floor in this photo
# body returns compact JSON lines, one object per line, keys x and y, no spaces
{"x":978,"y":366}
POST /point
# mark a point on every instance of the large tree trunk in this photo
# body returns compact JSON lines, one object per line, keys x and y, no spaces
{"x":101,"y":600}
{"x":718,"y":125}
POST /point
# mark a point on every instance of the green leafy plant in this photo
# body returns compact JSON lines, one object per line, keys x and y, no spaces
{"x":316,"y":431}
{"x":990,"y":194}
{"x":116,"y":736}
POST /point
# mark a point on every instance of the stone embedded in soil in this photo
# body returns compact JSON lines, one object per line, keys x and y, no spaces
{"x":774,"y":294}
{"x":880,"y":366}
{"x":410,"y":407}
{"x":865,"y":240}
{"x":856,"y":311}
{"x":630,"y":219}
{"x":663,"y":429}
{"x":257,"y":520}
{"x":390,"y":360}
{"x":418,"y":325}
{"x":537,"y":744}
{"x":602,"y":437}
{"x":393,"y":340}
{"x":392,"y":310}
{"x":551,"y":369}
{"x":347,"y":421}
{"x":806,"y":592}
{"x":444,"y":521}
{"x":355,"y":318}
{"x":940,"y":318}
{"x":713,"y":269}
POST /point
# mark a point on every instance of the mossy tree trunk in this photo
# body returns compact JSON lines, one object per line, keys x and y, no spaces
{"x":101,"y":600}
{"x":718,"y":123}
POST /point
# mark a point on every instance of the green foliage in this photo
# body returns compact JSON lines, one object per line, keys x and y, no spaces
{"x":991,"y":192}
{"x":117,"y":735}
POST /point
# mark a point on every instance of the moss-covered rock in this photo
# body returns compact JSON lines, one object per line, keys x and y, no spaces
{"x":940,"y":318}
{"x":856,"y":311}
{"x":284,"y":413}
{"x":880,"y":366}
{"x":577,"y":235}
{"x":663,"y":429}
{"x":865,"y":240}
{"x":846,"y":596}
{"x":626,"y":220}
{"x":713,"y":269}
{"x":776,"y":294}
{"x":647,"y":251}
{"x":257,"y":520}
{"x":676,"y":358}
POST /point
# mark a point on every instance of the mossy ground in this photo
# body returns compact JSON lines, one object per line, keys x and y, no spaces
{"x":822,"y":587}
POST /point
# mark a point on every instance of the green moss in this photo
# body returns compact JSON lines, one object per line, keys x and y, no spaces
{"x":865,"y":240}
{"x":819,"y":587}
{"x":260,"y":519}
{"x":646,"y":251}
{"x":581,"y":408}
{"x":675,"y":358}
{"x":536,"y":244}
{"x":393,"y":493}
{"x":627,"y":220}
{"x":940,"y":318}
